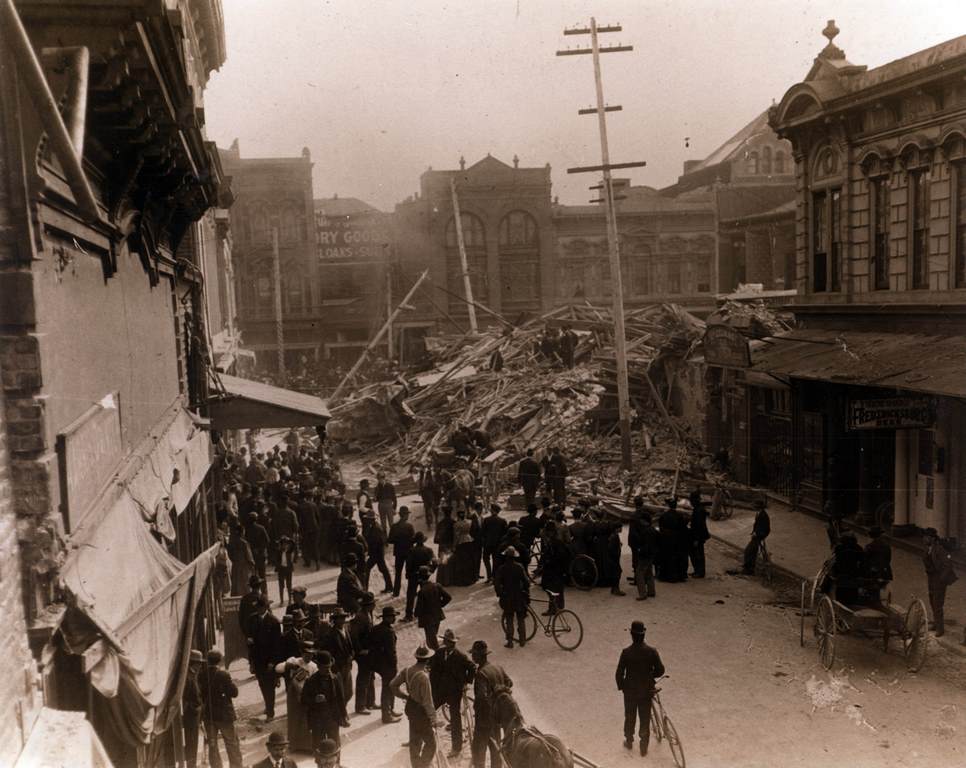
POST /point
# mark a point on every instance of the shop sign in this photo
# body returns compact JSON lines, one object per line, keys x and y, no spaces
{"x":725,"y":347}
{"x":892,"y":413}
{"x":346,"y":239}
{"x":88,"y":452}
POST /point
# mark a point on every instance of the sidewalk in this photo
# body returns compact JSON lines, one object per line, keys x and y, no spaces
{"x":799,"y":544}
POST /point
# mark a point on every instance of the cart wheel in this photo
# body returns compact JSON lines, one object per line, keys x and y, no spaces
{"x":583,"y":571}
{"x":825,"y":631}
{"x":916,"y":635}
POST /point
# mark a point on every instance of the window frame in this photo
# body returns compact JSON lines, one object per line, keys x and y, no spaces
{"x":880,"y":270}
{"x":958,"y":185}
{"x":919,"y":245}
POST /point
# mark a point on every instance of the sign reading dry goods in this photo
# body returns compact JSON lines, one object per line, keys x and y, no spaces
{"x":726,"y":348}
{"x":351,"y":239}
{"x":892,"y":413}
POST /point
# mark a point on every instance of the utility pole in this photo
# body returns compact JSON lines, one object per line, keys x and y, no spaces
{"x":467,"y":285}
{"x":389,"y":330}
{"x":279,"y":331}
{"x":613,"y":243}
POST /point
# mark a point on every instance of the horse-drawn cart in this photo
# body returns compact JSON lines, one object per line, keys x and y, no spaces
{"x":843,"y":604}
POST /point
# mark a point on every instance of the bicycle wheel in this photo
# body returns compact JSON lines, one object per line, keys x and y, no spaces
{"x":583,"y":572}
{"x":566,"y":629}
{"x":674,"y":742}
{"x":657,"y":726}
{"x":529,"y":625}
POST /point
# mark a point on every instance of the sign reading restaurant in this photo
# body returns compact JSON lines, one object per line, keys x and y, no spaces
{"x":349,"y":238}
{"x":892,"y":413}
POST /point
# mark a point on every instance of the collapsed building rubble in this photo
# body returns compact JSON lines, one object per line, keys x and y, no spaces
{"x":500,"y":382}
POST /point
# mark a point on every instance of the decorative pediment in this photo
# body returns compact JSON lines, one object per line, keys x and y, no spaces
{"x":915,"y":151}
{"x":875,"y":161}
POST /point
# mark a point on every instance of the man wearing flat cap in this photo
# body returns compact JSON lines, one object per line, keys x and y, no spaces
{"x":639,"y":666}
{"x":324,"y":701}
{"x":420,"y":709}
{"x":450,"y":671}
{"x":277,"y":746}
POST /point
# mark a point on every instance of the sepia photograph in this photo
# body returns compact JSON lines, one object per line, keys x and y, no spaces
{"x":482,"y":384}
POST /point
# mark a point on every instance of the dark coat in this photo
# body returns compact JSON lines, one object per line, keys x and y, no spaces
{"x":878,"y":560}
{"x":287,"y":762}
{"x":339,"y":644}
{"x":939,"y":567}
{"x":333,"y":709}
{"x":699,"y":524}
{"x":430,"y":601}
{"x":762,"y":526}
{"x":647,"y":541}
{"x":556,"y":466}
{"x":266,"y":634}
{"x":217,"y":691}
{"x":349,"y":590}
{"x":247,"y":607}
{"x":529,"y":529}
{"x":360,"y":632}
{"x":401,"y":536}
{"x":639,"y":666}
{"x":385,"y":492}
{"x":382,"y":650}
{"x":512,"y":587}
{"x":444,"y":533}
{"x":309,"y":517}
{"x":528,"y":475}
{"x":375,"y":540}
{"x":449,"y":673}
{"x":489,"y":680}
{"x":418,"y":556}
{"x":492,"y":531}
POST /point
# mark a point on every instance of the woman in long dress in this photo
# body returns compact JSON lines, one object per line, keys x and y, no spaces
{"x":296,"y":670}
{"x":465,"y":570}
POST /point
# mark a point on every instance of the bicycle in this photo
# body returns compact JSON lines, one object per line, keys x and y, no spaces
{"x":583,"y":572}
{"x":722,"y":503}
{"x":663,"y":729}
{"x":533,"y":564}
{"x":466,"y":713}
{"x":767,"y":569}
{"x":563,"y":625}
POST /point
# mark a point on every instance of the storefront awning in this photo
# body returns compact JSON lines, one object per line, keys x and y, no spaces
{"x":914,"y":362}
{"x":248,"y":404}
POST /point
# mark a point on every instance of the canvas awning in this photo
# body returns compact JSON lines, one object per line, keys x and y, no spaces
{"x":909,"y":361}
{"x":248,"y":404}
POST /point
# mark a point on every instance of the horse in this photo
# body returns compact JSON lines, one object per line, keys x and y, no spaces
{"x":524,"y":746}
{"x":460,"y":488}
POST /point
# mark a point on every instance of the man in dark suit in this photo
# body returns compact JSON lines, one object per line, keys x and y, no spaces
{"x":191,"y":706}
{"x":277,"y":746}
{"x":218,"y":711}
{"x":639,"y":666}
{"x":557,"y":476}
{"x":383,"y":660}
{"x":450,"y":671}
{"x":266,"y":650}
{"x":324,"y":702}
{"x":513,"y":590}
{"x":338,"y":643}
{"x":349,"y":590}
{"x":402,"y":537}
{"x":419,"y":556}
{"x":248,"y":607}
{"x":528,"y":475}
{"x":492,"y":531}
{"x":428,"y":610}
{"x":760,"y":531}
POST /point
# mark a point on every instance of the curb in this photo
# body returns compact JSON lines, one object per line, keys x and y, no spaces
{"x":946,"y":642}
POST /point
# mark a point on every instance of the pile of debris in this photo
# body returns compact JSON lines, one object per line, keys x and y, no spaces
{"x":501,"y":382}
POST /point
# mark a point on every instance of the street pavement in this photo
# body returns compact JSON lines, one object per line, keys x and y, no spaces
{"x":731,"y":647}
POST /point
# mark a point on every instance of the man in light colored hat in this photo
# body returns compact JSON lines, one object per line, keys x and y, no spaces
{"x":324,"y":700}
{"x":450,"y":671}
{"x":277,"y":746}
{"x":420,"y":709}
{"x":639,"y":666}
{"x":488,"y":681}
{"x":191,"y":707}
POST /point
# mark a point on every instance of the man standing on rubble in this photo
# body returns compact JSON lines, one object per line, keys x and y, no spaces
{"x":557,"y":476}
{"x":528,"y":475}
{"x":568,"y":345}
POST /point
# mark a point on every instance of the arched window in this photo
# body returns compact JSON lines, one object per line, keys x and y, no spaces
{"x":474,"y":239}
{"x":779,"y":162}
{"x":294,"y":290}
{"x":288,"y":229}
{"x":474,"y":235}
{"x":753,"y":163}
{"x":260,"y":232}
{"x":766,"y":160}
{"x":518,"y":229}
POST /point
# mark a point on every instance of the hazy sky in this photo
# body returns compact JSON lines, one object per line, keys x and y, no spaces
{"x":381,"y":89}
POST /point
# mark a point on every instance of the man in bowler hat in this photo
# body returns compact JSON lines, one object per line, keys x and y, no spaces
{"x":639,"y":666}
